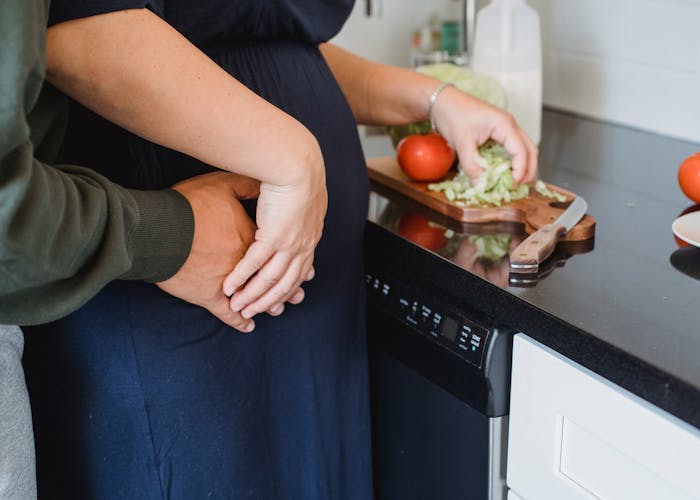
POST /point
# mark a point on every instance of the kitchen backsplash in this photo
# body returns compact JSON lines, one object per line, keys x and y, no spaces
{"x":634,"y":62}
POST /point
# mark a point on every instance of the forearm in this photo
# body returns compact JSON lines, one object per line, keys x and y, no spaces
{"x":67,"y":233}
{"x":135,"y":70}
{"x":386,"y":95}
{"x":379,"y":94}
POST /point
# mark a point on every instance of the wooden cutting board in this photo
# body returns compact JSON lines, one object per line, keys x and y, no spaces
{"x":534,"y":211}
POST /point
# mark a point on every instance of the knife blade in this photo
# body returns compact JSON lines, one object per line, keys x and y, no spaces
{"x":527,"y":257}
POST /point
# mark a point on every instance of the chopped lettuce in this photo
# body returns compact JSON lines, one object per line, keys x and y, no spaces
{"x":491,"y":248}
{"x":495,"y":186}
{"x":542,"y":188}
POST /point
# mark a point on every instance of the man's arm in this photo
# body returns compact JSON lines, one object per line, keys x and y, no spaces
{"x":137,"y":71}
{"x":66,"y":231}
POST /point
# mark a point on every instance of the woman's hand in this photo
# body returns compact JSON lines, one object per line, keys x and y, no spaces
{"x":467,"y":122}
{"x":223,"y":233}
{"x":290,"y":221}
{"x":376,"y":98}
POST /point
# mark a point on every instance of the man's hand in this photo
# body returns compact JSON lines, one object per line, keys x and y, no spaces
{"x":222,"y":233}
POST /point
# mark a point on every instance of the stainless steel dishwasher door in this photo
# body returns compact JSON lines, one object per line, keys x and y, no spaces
{"x":427,"y":443}
{"x":439,"y":379}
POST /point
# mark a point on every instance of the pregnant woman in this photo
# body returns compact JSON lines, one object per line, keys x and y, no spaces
{"x":139,"y":395}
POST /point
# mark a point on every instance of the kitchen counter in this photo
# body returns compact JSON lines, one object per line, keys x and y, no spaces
{"x":625,"y":305}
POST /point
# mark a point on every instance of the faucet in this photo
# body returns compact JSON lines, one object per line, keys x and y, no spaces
{"x":468,"y":21}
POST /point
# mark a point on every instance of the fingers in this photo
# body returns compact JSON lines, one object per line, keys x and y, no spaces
{"x":521,"y":148}
{"x":221,"y":310}
{"x":297,"y":297}
{"x":263,"y":282}
{"x":468,"y":159}
{"x":532,"y":159}
{"x":270,"y":289}
{"x":244,"y":188}
{"x":276,"y":309}
{"x":511,"y":139}
{"x":255,"y":257}
{"x":273,"y":292}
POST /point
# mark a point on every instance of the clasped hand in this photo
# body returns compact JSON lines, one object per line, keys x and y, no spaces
{"x":290,"y":221}
{"x":283,"y":243}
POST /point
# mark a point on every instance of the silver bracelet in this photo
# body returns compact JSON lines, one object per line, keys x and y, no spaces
{"x":431,"y":103}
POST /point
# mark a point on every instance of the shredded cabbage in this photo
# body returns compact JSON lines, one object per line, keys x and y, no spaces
{"x":495,"y":186}
{"x":491,"y":247}
{"x":542,"y":188}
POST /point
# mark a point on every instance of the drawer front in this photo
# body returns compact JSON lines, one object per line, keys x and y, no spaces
{"x":575,"y":435}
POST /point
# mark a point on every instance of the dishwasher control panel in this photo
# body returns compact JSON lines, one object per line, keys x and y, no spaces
{"x":449,"y":328}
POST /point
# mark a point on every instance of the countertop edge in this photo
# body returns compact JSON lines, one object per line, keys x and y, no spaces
{"x":640,"y":378}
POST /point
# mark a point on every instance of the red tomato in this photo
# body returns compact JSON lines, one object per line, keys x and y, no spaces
{"x":416,"y":228}
{"x":691,"y":208}
{"x":425,"y":157}
{"x":689,"y":177}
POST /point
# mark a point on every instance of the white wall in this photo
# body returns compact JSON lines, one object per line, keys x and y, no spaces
{"x":386,"y":36}
{"x":634,"y":62}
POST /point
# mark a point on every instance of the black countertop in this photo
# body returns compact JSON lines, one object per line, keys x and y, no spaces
{"x":625,"y":305}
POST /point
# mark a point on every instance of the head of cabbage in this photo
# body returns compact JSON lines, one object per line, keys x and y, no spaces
{"x":466,"y":80}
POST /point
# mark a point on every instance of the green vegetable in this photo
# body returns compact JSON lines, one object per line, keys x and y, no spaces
{"x":475,"y":84}
{"x":542,"y":188}
{"x":398,"y":132}
{"x":491,"y":247}
{"x":495,"y":186}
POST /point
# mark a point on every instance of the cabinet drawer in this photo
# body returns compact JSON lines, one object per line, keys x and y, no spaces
{"x":575,"y":435}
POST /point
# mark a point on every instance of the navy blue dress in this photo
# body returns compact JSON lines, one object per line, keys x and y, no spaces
{"x":139,"y":395}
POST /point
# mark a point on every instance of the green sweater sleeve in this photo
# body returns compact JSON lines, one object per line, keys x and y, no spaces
{"x":66,"y":231}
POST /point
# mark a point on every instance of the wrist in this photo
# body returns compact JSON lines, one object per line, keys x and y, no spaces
{"x":431,"y":104}
{"x":302,"y":165}
{"x":161,"y":242}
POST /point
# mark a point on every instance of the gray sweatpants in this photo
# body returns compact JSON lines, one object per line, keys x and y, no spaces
{"x":17,"y":469}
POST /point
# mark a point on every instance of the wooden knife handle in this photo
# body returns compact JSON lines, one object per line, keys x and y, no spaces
{"x":527,"y":257}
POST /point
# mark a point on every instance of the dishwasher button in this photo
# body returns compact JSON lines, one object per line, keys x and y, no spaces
{"x":432,"y":324}
{"x":425,"y":313}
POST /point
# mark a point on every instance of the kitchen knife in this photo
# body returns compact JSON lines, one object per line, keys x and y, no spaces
{"x":527,"y":257}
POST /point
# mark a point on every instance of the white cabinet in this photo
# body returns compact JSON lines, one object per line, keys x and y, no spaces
{"x":575,"y":435}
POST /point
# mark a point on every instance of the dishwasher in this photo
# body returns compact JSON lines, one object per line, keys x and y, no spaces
{"x":439,"y":378}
